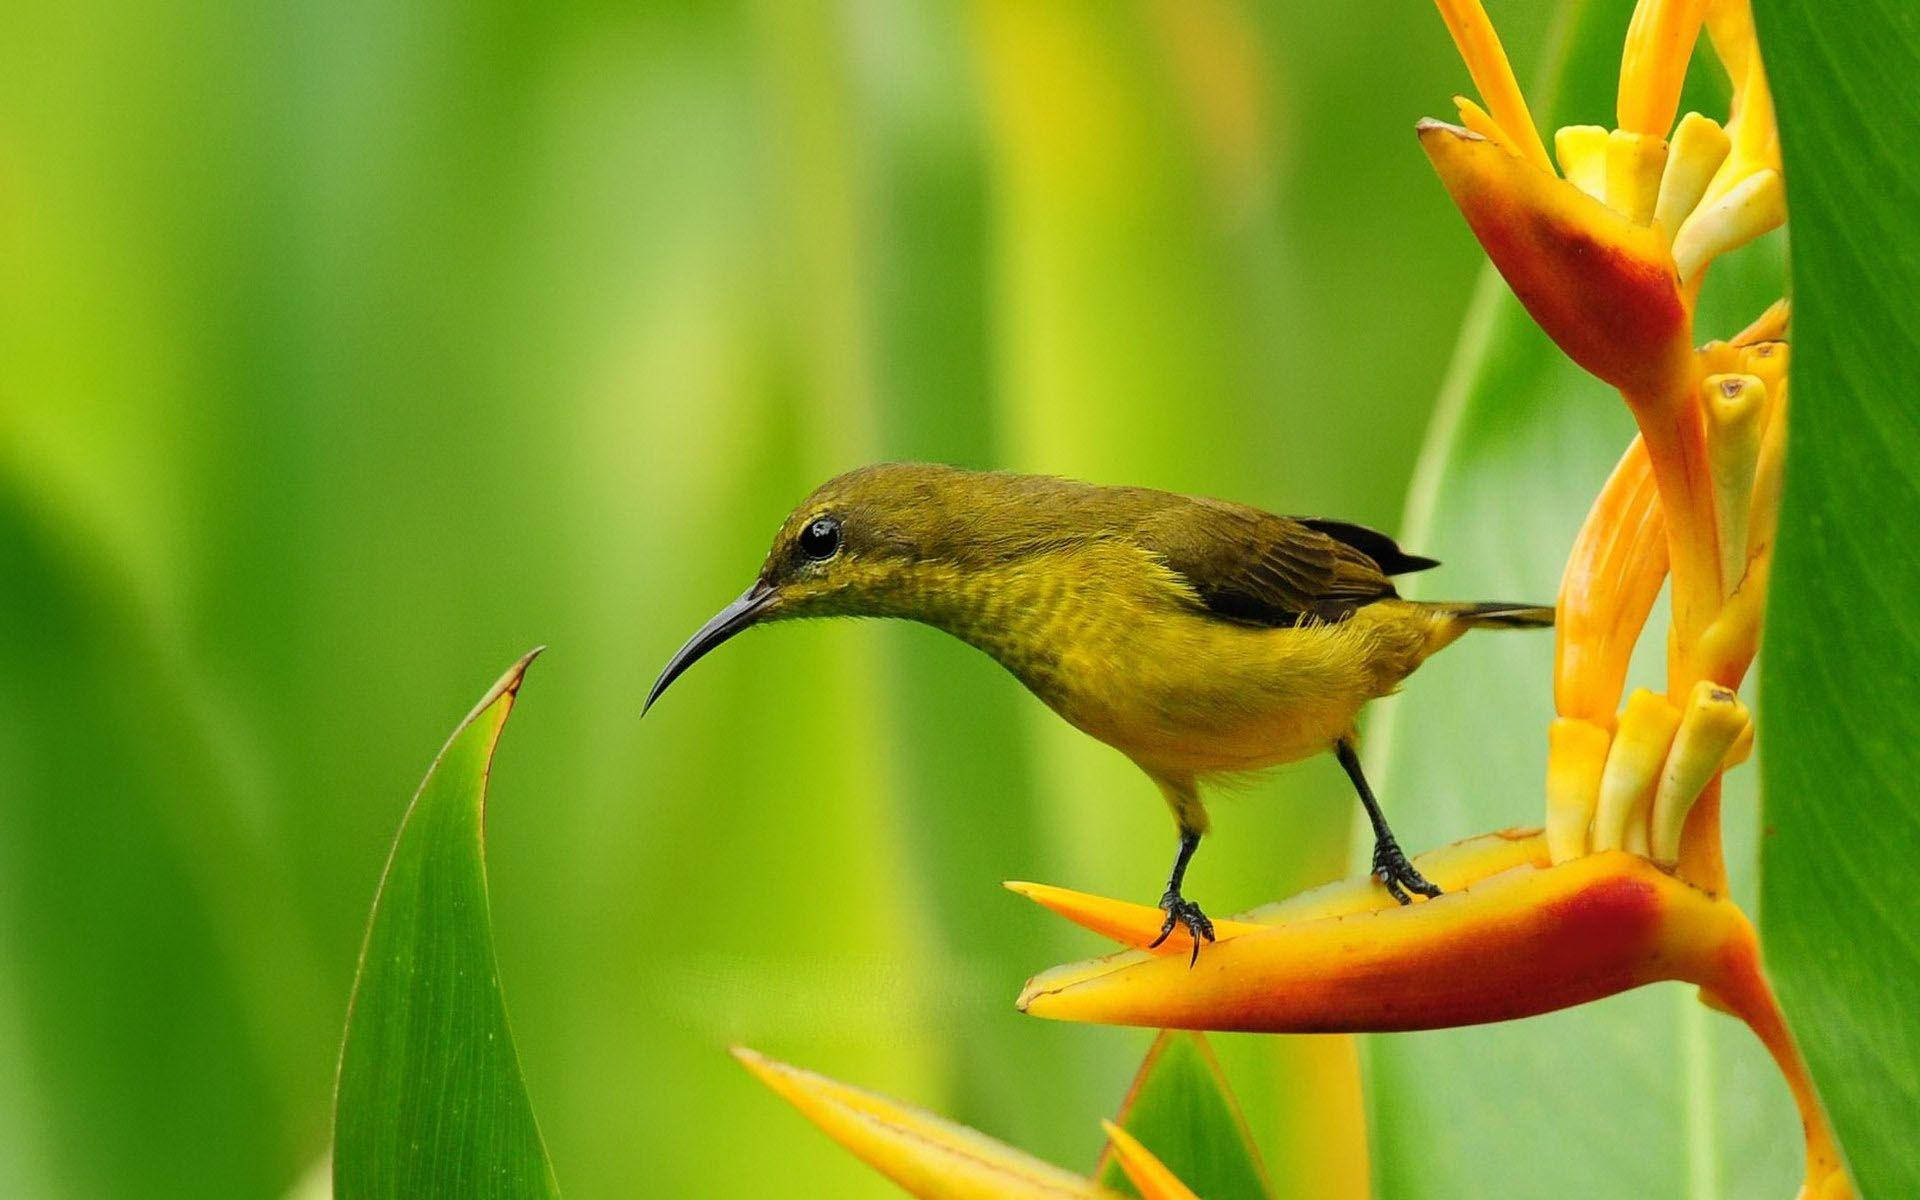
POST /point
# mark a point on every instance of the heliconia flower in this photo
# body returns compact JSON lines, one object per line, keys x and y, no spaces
{"x":1512,"y":937}
{"x":1626,"y":884}
{"x":937,"y":1159}
{"x":1608,"y":256}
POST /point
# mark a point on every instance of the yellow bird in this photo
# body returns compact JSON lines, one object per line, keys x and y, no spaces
{"x":1198,"y":637}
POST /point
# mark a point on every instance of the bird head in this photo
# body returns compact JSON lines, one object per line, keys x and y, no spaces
{"x":883,"y":540}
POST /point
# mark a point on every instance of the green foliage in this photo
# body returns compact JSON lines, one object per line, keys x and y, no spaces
{"x":1182,"y":1110}
{"x":131,"y":976}
{"x":430,"y":1099}
{"x":1839,"y":709}
{"x":1520,"y":446}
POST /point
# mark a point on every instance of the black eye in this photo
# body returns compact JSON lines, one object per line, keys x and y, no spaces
{"x":820,"y":540}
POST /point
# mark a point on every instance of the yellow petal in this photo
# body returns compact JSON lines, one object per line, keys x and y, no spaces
{"x":1634,"y":164}
{"x":1600,"y":286}
{"x":1713,"y":721}
{"x":1582,"y":151}
{"x":1725,"y":649}
{"x":1736,"y":414}
{"x":1763,"y":515}
{"x":927,"y":1155}
{"x":1526,"y":941}
{"x":1576,"y":757}
{"x":1148,"y":1174}
{"x":1633,"y":771}
{"x":1699,"y":146}
{"x":1750,"y":208}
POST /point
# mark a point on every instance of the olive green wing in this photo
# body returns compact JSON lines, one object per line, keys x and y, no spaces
{"x":1256,"y":567}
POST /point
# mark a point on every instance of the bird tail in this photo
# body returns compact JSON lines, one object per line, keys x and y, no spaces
{"x":1499,"y":614}
{"x":1446,"y":622}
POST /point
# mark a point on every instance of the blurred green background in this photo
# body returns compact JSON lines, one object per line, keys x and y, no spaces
{"x":347,"y":351}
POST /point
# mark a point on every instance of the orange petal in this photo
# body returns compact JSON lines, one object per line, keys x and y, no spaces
{"x":1479,"y":46}
{"x":1653,"y":63}
{"x":1675,"y":432}
{"x":1526,"y":941}
{"x":1613,"y":575}
{"x":1769,"y":326}
{"x":1148,"y":1174}
{"x":1481,"y":122}
{"x":1135,"y":925}
{"x":1602,"y":287}
{"x":1129,"y":924}
{"x":929,"y":1156}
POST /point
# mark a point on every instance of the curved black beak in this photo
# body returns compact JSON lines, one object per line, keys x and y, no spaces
{"x":727,"y":622}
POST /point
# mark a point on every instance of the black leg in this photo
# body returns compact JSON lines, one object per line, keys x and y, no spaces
{"x":1390,"y":865}
{"x":1181,"y":910}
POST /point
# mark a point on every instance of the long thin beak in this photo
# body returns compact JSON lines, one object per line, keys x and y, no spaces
{"x":727,"y":622}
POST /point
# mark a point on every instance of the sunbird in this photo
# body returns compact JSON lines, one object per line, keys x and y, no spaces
{"x":1200,"y":638}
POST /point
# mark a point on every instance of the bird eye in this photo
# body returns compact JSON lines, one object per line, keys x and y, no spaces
{"x":820,"y":540}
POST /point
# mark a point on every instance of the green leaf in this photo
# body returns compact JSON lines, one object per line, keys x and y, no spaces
{"x":1181,"y":1108}
{"x":126,"y":982}
{"x":1843,"y":632}
{"x":431,"y":1101}
{"x":1647,"y":1093}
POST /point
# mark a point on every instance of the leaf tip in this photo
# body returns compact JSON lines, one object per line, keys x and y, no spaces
{"x":506,"y":687}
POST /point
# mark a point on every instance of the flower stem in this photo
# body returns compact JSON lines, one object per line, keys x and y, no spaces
{"x":1742,"y":990}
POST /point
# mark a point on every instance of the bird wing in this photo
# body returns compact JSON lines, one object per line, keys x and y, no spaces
{"x":1256,"y":567}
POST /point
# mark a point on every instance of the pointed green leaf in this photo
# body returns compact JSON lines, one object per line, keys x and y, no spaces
{"x":430,"y":1099}
{"x":1647,"y":1093}
{"x":1838,"y":707}
{"x":1181,"y":1109}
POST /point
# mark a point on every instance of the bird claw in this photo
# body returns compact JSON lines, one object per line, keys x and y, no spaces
{"x":1391,"y":868}
{"x":1182,"y":911}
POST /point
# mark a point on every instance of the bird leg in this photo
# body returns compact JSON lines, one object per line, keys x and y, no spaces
{"x":1390,"y":865}
{"x":1179,"y":909}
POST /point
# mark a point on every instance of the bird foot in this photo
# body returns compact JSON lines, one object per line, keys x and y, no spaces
{"x":1390,"y":867}
{"x":1182,"y":911}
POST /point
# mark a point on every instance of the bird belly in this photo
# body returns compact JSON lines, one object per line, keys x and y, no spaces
{"x":1200,"y":734}
{"x":1187,"y":696}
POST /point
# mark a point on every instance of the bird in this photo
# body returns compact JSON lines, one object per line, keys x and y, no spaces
{"x":1201,"y":638}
